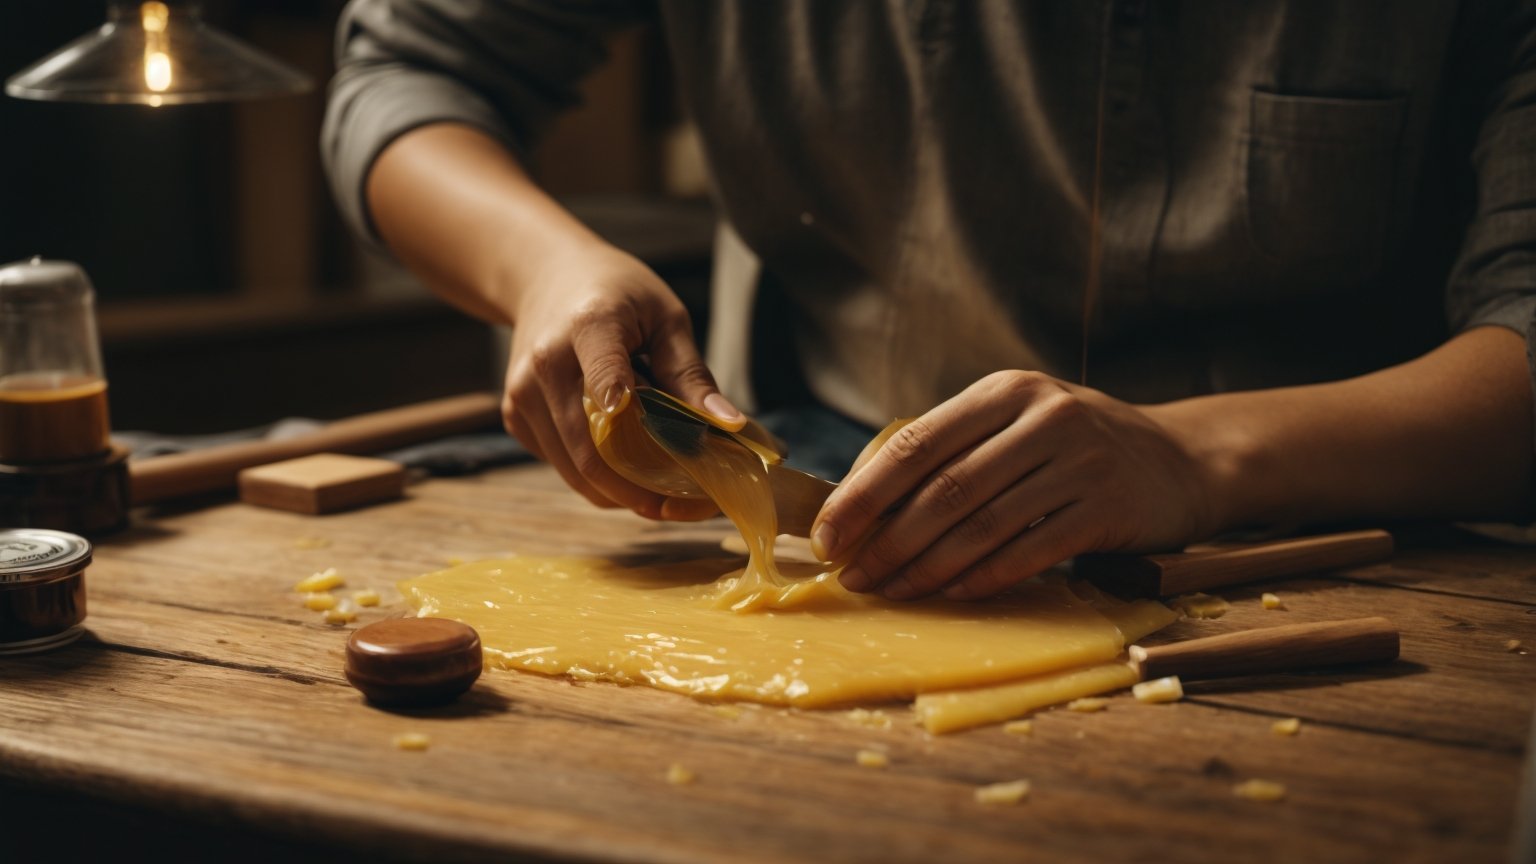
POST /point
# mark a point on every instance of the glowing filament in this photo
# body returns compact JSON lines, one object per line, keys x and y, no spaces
{"x":157,"y":58}
{"x":157,"y":71}
{"x":155,"y":16}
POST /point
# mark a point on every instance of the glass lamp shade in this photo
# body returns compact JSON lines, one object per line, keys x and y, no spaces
{"x":155,"y":53}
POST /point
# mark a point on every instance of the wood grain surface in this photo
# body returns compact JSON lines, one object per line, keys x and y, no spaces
{"x":205,"y":692}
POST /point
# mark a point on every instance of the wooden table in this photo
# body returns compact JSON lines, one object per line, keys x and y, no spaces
{"x":207,"y":704}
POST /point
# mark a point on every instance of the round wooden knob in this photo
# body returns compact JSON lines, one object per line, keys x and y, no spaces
{"x":413,"y":661}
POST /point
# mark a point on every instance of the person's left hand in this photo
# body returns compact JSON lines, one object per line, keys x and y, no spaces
{"x":1014,"y":475}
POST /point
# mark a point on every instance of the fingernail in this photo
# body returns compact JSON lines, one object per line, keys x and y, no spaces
{"x":854,"y":579}
{"x":824,"y":542}
{"x":613,"y":397}
{"x":721,"y":407}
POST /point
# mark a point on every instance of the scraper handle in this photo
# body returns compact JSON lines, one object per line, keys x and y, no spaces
{"x":199,"y":471}
{"x":1290,"y":648}
{"x":1204,"y":568}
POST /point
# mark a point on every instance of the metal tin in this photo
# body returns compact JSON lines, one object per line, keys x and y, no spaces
{"x":42,"y":588}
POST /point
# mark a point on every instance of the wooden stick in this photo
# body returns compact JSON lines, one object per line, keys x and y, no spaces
{"x":198,"y":471}
{"x":1200,"y":569}
{"x":1271,"y":649}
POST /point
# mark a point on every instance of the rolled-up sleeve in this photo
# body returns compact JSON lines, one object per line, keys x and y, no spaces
{"x":1494,"y":279}
{"x":503,"y":66}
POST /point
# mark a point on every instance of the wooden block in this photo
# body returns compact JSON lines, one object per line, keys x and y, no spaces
{"x":1202,"y":568}
{"x":322,"y":483}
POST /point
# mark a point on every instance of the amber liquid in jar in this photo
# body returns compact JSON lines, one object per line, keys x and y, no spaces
{"x":49,"y":417}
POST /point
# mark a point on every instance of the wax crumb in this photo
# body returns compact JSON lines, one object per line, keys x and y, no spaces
{"x":1169,"y":689}
{"x":1002,"y":793}
{"x":1259,"y":790}
{"x":325,"y":580}
{"x":455,"y":561}
{"x":876,"y":719}
{"x":412,"y":741}
{"x":1272,"y":601}
{"x":1087,"y":705}
{"x":344,"y":612}
{"x":1513,"y":646}
{"x":1288,"y":726}
{"x":1199,"y":605}
{"x":730,"y":712}
{"x":311,"y":543}
{"x":1019,"y":727}
{"x":319,"y":601}
{"x":871,"y":759}
{"x":366,"y":597}
{"x":677,"y":775}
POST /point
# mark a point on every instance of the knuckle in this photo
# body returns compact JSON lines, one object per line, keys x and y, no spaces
{"x":520,"y":378}
{"x":693,"y":374}
{"x":911,"y":444}
{"x":1063,"y":409}
{"x":858,"y":500}
{"x":982,"y":577}
{"x":1017,"y":383}
{"x":596,"y":311}
{"x":884,"y":551}
{"x":978,"y":527}
{"x":920,"y":577}
{"x":607,"y":367}
{"x":674,"y":318}
{"x":545,"y":358}
{"x":949,"y":491}
{"x":993,"y":574}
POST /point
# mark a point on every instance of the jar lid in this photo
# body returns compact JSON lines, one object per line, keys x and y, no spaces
{"x":38,"y":554}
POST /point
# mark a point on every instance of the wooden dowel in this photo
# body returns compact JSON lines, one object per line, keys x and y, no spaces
{"x":179,"y":474}
{"x":1272,"y":649}
{"x":1174,"y":573}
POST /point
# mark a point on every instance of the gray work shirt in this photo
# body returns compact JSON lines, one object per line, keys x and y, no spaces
{"x":1291,"y":191}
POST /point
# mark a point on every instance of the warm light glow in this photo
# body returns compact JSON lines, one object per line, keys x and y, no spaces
{"x":157,"y":58}
{"x":154,"y":16}
{"x":157,"y":71}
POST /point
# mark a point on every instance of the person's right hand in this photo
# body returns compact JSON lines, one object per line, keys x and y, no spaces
{"x":582,"y":318}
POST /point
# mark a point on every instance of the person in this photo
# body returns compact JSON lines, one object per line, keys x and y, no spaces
{"x":1313,"y":226}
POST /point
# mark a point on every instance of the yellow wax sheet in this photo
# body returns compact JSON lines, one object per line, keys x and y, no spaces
{"x":662,"y":625}
{"x":954,"y":710}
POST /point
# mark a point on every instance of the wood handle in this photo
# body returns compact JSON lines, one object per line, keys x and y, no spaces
{"x":1271,"y":649}
{"x":198,"y":471}
{"x":1200,"y":569}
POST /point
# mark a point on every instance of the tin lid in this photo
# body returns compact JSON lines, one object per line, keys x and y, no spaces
{"x":38,"y":554}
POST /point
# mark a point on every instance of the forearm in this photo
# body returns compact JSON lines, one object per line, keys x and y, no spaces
{"x":1446,"y":435}
{"x":459,"y":211}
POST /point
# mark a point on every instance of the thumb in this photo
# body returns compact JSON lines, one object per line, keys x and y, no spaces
{"x":679,"y":370}
{"x":601,"y":350}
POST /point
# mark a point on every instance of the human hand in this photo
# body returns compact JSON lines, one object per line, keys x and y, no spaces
{"x":1015,"y":474}
{"x":585,"y":315}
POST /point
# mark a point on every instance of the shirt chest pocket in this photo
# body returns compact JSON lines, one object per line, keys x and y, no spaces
{"x":1321,"y":178}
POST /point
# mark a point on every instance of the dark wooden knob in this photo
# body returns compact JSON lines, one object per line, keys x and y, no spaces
{"x":413,"y":661}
